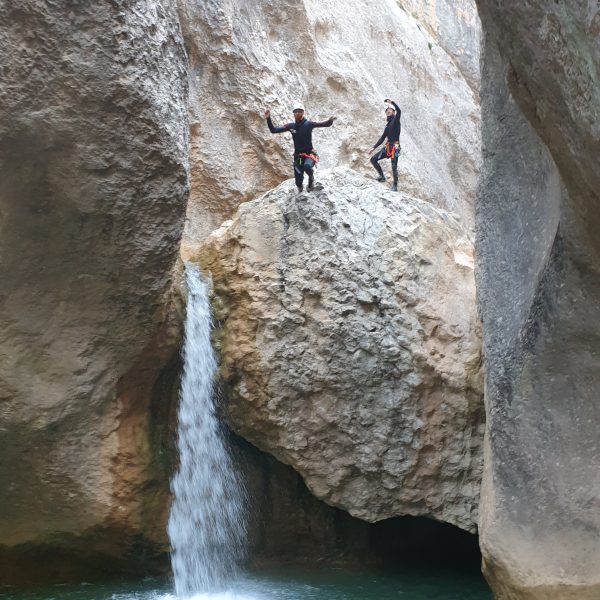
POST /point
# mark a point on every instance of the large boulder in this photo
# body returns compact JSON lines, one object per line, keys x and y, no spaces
{"x":340,"y":58}
{"x":93,"y":164}
{"x":538,"y":274}
{"x":350,"y":346}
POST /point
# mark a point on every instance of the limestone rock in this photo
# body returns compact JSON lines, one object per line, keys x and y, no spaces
{"x":340,"y":58}
{"x":538,"y":218}
{"x":350,"y":345}
{"x":455,"y":26}
{"x":93,"y":163}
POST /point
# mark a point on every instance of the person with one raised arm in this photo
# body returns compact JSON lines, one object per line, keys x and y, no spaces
{"x":391,"y":150}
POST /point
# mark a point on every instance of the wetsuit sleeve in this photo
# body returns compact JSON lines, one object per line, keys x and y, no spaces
{"x":281,"y":129}
{"x":381,"y":139}
{"x":327,"y":123}
{"x":398,"y":111}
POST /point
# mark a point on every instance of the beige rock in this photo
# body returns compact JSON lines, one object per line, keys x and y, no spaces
{"x":350,"y":345}
{"x":93,"y":164}
{"x":340,"y":58}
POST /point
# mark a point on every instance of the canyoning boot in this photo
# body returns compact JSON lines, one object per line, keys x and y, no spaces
{"x":394,"y":187}
{"x":381,"y":178}
{"x":300,"y":188}
{"x":311,"y":184}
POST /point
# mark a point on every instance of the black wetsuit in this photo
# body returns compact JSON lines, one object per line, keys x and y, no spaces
{"x":392,"y":133}
{"x":302,"y":134}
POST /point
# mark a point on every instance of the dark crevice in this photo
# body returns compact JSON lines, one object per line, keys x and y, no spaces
{"x":288,"y":525}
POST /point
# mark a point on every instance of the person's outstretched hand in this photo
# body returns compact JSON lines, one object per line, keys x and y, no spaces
{"x":267,"y":113}
{"x":388,"y":100}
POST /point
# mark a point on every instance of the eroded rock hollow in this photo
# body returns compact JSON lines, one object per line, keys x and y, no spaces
{"x":538,"y":217}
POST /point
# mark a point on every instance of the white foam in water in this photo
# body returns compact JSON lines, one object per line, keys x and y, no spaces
{"x":206,"y":525}
{"x":211,"y":596}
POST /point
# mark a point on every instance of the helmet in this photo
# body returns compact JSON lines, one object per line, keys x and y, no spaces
{"x":298,"y":106}
{"x":389,"y":107}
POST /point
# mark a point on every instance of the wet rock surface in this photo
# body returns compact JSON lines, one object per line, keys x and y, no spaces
{"x":350,"y":345}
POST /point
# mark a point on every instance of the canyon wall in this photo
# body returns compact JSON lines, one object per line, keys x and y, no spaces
{"x":98,"y":136}
{"x":538,"y":276}
{"x":94,"y":169}
{"x":339,"y":58}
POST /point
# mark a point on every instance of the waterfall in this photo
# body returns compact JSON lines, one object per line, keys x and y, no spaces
{"x":206,"y":526}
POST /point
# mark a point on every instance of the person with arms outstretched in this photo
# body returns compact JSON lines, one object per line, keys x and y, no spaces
{"x":305,"y":157}
{"x":391,"y":136}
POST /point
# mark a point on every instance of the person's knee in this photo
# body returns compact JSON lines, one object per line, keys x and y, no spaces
{"x":374,"y":160}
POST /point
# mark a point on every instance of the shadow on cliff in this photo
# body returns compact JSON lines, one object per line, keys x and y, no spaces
{"x":289,"y":526}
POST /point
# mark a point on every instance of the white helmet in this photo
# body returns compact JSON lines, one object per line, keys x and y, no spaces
{"x":298,"y":106}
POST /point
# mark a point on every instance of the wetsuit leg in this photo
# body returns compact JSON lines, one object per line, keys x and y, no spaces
{"x":375,"y":161}
{"x":395,"y":167}
{"x":308,"y":169}
{"x":299,"y":172}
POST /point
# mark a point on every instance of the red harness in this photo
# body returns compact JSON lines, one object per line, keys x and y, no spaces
{"x":392,"y":149}
{"x":313,"y":156}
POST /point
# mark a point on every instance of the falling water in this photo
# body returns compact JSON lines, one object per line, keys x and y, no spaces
{"x":206,"y":525}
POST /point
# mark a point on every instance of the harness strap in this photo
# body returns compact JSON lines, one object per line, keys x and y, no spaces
{"x":392,"y":149}
{"x":313,"y":156}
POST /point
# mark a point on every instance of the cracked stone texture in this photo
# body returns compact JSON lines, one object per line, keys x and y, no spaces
{"x":350,"y":345}
{"x":93,"y":163}
{"x":538,"y":275}
{"x":340,"y":58}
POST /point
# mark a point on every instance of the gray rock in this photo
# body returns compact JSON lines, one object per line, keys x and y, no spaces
{"x":538,"y":280}
{"x":340,"y":58}
{"x":93,"y":163}
{"x":455,"y":26}
{"x":350,"y":345}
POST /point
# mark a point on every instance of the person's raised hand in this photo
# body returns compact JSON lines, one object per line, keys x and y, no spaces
{"x":267,"y":113}
{"x":388,"y":100}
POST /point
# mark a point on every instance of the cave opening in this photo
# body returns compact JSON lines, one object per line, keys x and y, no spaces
{"x":289,"y":526}
{"x":419,"y":542}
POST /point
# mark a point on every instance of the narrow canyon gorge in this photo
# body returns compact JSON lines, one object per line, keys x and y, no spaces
{"x":388,"y":361}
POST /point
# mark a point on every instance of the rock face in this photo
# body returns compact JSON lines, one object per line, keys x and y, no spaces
{"x":340,"y":58}
{"x":538,"y":219}
{"x":350,"y":346}
{"x":93,"y":163}
{"x":455,"y":26}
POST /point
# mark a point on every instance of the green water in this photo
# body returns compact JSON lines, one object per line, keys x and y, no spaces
{"x":290,"y":584}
